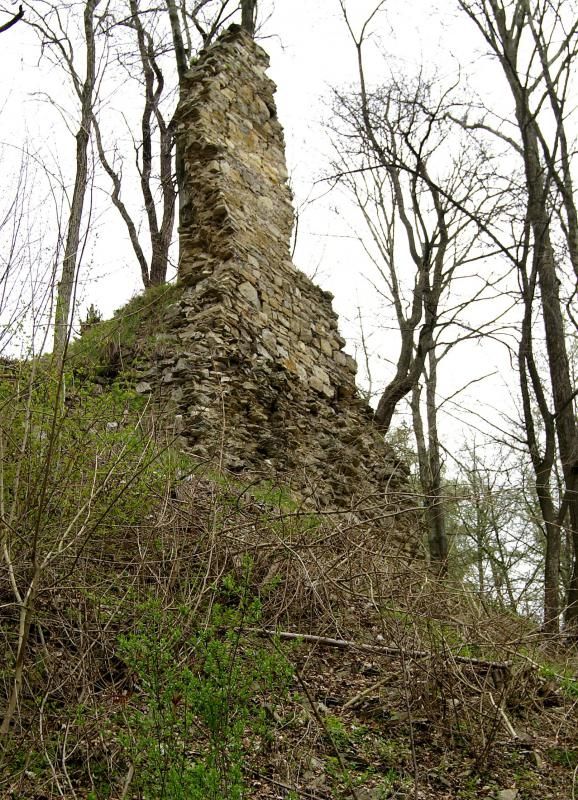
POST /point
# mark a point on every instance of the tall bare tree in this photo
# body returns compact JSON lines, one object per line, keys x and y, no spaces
{"x":154,"y":163}
{"x":85,"y":88}
{"x":536,"y":45}
{"x":157,"y":53}
{"x":389,"y":138}
{"x":52,"y":22}
{"x":162,"y":45}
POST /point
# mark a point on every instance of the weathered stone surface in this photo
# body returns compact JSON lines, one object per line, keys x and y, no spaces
{"x":250,"y":293}
{"x":507,"y":794}
{"x":258,"y":377}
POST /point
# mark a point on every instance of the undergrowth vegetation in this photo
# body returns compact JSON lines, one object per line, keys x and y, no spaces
{"x":200,"y":710}
{"x":172,"y":632}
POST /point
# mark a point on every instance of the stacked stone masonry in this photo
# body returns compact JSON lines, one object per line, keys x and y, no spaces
{"x":252,"y":360}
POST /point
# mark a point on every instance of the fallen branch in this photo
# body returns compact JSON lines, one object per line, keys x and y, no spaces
{"x":127,"y":782}
{"x":293,"y":789}
{"x":358,"y":697}
{"x":504,"y":718}
{"x":346,"y":644}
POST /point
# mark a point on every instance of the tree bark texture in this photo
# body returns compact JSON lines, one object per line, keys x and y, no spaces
{"x":505,"y":40}
{"x":248,"y":15}
{"x":68,"y":277}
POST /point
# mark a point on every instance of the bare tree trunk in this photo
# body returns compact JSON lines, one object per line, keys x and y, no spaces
{"x":504,"y":38}
{"x":559,"y":164}
{"x":118,"y":203}
{"x":160,"y":235}
{"x":572,"y":599}
{"x":248,"y":15}
{"x":552,"y":557}
{"x":543,"y":463}
{"x":182,"y":66}
{"x":71,"y":252}
{"x":438,"y":543}
{"x":155,"y":161}
{"x":421,"y":447}
{"x":429,"y":464}
{"x":558,"y":361}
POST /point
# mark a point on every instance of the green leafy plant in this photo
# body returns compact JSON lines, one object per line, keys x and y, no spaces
{"x":337,"y":731}
{"x":567,"y":680}
{"x":391,"y":784}
{"x":74,"y":464}
{"x":564,"y":756}
{"x":196,"y":712}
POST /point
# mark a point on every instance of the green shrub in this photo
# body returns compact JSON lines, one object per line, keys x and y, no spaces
{"x":196,"y":712}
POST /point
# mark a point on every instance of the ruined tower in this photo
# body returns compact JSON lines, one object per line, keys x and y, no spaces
{"x":237,"y":222}
{"x":258,"y":375}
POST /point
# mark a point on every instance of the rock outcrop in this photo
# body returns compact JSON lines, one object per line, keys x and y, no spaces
{"x":256,"y":370}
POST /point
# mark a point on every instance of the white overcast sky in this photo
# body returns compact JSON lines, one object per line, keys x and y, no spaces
{"x":310,"y":51}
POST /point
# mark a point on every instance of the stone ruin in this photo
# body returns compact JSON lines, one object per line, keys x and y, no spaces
{"x":256,"y":372}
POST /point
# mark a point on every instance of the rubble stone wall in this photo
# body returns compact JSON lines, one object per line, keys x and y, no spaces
{"x":238,"y":217}
{"x":253,"y":361}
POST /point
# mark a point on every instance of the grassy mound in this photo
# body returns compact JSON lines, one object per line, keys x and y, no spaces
{"x":104,"y":347}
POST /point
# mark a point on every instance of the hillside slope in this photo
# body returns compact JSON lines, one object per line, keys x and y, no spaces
{"x":191,"y":635}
